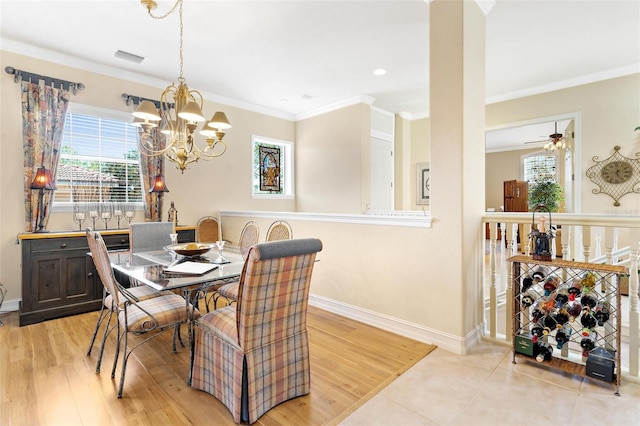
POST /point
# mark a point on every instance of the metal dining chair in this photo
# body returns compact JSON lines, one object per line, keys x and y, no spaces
{"x":207,"y":230}
{"x":279,"y":230}
{"x":149,"y":236}
{"x":149,"y":318}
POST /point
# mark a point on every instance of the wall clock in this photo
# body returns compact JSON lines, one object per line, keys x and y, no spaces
{"x":616,"y":176}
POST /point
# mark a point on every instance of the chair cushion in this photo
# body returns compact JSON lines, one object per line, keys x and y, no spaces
{"x":222,"y":324}
{"x":229,"y":291}
{"x":166,"y":309}
{"x":141,"y":293}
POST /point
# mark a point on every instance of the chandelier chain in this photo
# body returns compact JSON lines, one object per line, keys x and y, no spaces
{"x":180,"y":113}
{"x":181,"y":78}
{"x":178,"y":5}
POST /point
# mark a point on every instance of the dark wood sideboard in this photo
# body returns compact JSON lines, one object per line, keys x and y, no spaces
{"x":58,"y":277}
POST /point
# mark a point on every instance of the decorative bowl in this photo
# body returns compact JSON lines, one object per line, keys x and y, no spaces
{"x":190,"y":249}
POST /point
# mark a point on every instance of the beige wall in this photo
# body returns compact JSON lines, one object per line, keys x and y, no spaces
{"x":332,"y":161}
{"x":501,"y":166}
{"x":609,"y":113}
{"x":203,"y":189}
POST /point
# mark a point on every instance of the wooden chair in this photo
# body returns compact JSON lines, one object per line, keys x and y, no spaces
{"x":150,"y":317}
{"x":255,"y":355}
{"x":207,"y":230}
{"x":279,"y":230}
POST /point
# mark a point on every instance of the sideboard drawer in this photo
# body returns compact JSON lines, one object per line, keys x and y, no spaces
{"x":58,"y":244}
{"x":115,"y":242}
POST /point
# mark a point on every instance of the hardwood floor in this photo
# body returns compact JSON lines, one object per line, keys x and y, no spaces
{"x":46,"y":377}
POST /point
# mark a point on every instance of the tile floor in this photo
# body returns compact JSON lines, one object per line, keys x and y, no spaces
{"x":486,"y":388}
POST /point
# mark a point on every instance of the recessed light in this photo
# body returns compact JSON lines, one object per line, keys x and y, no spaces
{"x":380,"y":71}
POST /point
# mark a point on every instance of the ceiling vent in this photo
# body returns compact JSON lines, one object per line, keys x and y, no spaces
{"x":128,"y":56}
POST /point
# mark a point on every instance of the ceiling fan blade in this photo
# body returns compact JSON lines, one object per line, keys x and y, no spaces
{"x":540,"y":141}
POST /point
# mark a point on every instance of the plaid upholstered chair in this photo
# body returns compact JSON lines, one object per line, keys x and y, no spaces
{"x":149,"y":317}
{"x":248,"y":237}
{"x":255,"y":354}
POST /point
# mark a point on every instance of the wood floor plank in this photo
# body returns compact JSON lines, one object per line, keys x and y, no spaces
{"x":48,"y":378}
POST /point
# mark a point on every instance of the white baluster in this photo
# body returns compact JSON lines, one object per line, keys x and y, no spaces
{"x":586,"y":242}
{"x":634,"y":322}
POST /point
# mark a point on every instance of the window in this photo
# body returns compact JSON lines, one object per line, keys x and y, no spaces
{"x":99,"y":162}
{"x":540,"y":168}
{"x":272,"y":168}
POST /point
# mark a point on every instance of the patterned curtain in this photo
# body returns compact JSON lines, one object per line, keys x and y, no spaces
{"x":43,"y":113}
{"x":149,"y":168}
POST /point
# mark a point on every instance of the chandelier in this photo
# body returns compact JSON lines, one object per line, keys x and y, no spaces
{"x":178,"y":117}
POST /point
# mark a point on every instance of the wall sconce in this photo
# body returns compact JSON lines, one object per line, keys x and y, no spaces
{"x":160,"y":188}
{"x":42,"y":181}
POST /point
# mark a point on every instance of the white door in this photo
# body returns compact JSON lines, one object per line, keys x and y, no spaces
{"x":381,"y":175}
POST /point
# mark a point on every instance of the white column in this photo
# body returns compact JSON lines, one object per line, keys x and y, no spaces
{"x":457,"y":157}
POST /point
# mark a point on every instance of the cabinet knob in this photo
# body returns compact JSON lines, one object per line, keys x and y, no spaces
{"x":63,"y":245}
{"x":123,"y":240}
{"x":90,"y":274}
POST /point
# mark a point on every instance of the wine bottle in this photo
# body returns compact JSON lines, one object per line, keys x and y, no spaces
{"x":588,"y":343}
{"x":601,"y":313}
{"x":542,"y":351}
{"x":563,"y":335}
{"x":575,"y":290}
{"x":550,"y":285}
{"x":562,"y":297}
{"x":588,"y":300}
{"x":574,"y":309}
{"x":528,"y":299}
{"x":549,"y":324}
{"x":527,"y":282}
{"x":587,"y":320}
{"x":537,"y":331}
{"x":561,"y":316}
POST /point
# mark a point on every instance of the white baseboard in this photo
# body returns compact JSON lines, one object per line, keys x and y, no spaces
{"x":10,"y":306}
{"x":446,"y":341}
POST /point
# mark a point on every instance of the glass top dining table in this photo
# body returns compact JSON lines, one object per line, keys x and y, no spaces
{"x":149,"y":268}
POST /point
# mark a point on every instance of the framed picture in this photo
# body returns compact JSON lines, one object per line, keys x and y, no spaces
{"x":269,"y":168}
{"x":422,"y":184}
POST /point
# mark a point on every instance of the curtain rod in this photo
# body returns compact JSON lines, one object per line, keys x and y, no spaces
{"x":132,"y":99}
{"x":19,"y":75}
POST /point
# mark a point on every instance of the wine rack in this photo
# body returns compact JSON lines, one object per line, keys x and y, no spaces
{"x":567,"y":315}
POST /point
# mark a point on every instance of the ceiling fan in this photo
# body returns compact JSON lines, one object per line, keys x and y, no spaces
{"x":555,"y":141}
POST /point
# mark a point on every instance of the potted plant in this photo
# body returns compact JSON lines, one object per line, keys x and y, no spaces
{"x":545,"y":192}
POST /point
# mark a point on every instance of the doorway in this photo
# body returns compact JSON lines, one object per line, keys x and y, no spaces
{"x":507,"y":145}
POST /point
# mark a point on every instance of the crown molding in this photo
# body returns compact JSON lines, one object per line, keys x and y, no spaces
{"x":566,"y":84}
{"x":362,"y":99}
{"x":85,"y":65}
